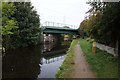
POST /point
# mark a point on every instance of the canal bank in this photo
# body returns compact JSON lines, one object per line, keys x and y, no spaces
{"x":67,"y":67}
{"x":75,"y":65}
{"x":34,"y":62}
{"x":52,"y":58}
{"x":104,"y":64}
{"x":81,"y":63}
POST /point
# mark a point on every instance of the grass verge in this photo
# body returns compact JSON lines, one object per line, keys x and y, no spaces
{"x":67,"y":66}
{"x":103,"y":63}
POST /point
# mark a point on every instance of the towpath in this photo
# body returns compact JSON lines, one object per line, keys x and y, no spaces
{"x":81,"y":67}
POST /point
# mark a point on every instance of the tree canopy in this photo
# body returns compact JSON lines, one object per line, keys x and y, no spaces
{"x":8,"y":23}
{"x":20,"y":25}
{"x":102,"y":22}
{"x":28,"y":22}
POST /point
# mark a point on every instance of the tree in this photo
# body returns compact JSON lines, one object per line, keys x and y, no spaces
{"x":20,"y":25}
{"x":9,"y":24}
{"x":28,"y":22}
{"x":107,"y":27}
{"x":103,"y":21}
{"x":89,"y":23}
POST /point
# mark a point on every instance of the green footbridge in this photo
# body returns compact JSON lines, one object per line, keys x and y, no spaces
{"x":58,"y":28}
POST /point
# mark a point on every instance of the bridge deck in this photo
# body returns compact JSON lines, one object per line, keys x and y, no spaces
{"x":62,"y":28}
{"x":59,"y":30}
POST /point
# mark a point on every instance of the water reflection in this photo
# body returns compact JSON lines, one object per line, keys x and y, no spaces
{"x":33,"y":62}
{"x":50,"y":66}
{"x":53,"y":59}
{"x":48,"y":46}
{"x":22,"y":63}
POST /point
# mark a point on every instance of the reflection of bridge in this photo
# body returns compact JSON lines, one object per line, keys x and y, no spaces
{"x":48,"y":47}
{"x":58,"y":28}
{"x":53,"y":59}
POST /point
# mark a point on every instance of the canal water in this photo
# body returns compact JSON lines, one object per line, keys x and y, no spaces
{"x":34,"y":62}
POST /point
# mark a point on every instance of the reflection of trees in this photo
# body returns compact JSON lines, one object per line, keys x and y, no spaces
{"x":48,"y":47}
{"x":22,"y":63}
{"x":56,"y":49}
{"x":52,"y":46}
{"x":57,"y":53}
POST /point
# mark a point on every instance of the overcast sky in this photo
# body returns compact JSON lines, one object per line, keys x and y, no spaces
{"x":62,"y":11}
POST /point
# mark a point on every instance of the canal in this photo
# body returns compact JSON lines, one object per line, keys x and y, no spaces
{"x":34,"y":62}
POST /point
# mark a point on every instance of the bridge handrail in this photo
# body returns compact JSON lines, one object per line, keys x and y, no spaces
{"x":47,"y":23}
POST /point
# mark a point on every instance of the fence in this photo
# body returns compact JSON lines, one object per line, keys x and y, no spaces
{"x":108,"y":49}
{"x":47,"y":23}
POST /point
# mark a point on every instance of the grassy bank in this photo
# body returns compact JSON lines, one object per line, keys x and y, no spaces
{"x":66,"y":68}
{"x":104,"y":64}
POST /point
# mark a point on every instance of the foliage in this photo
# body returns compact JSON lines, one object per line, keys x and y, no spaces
{"x":9,"y":24}
{"x":102,"y":22}
{"x":20,"y":25}
{"x":28,"y":22}
{"x":82,"y":33}
{"x":103,"y":63}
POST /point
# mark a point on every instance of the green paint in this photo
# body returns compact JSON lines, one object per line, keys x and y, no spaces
{"x":59,"y":30}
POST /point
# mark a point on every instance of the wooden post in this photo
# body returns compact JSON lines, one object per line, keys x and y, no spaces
{"x":94,"y":47}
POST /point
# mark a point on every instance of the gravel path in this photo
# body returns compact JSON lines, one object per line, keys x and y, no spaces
{"x":81,"y":67}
